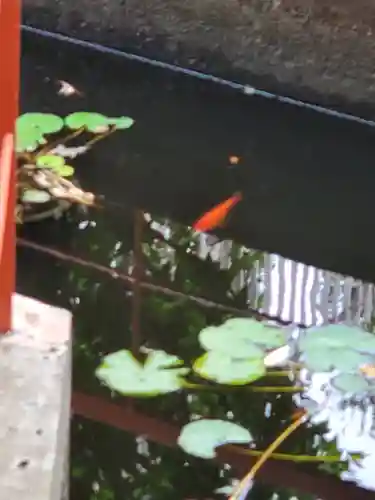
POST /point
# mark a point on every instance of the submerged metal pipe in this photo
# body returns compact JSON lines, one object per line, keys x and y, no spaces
{"x":245,"y":89}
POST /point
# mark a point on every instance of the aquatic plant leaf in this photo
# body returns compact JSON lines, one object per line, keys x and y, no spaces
{"x":201,"y":437}
{"x":50,"y":161}
{"x":324,"y":359}
{"x":123,"y":373}
{"x":338,"y":336}
{"x":242,"y":338}
{"x":65,"y":171}
{"x":264,"y":335}
{"x":121,"y":122}
{"x":27,"y":138}
{"x":47,"y":123}
{"x":317,"y":360}
{"x":31,"y":127}
{"x":35,"y":196}
{"x":160,"y":359}
{"x":94,"y":122}
{"x":350,"y":383}
{"x":223,"y":369}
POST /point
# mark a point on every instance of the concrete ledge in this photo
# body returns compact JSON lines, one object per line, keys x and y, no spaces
{"x":322,"y":50}
{"x":35,"y":374}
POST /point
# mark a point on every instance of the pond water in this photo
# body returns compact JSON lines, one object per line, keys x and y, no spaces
{"x":307,"y":182}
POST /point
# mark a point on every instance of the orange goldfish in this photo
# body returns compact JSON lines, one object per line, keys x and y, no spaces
{"x":217,"y":215}
{"x":234,"y":160}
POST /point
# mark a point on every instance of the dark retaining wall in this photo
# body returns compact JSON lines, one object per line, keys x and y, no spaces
{"x":320,"y":50}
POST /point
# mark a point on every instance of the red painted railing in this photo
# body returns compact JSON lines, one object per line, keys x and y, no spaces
{"x":9,"y":90}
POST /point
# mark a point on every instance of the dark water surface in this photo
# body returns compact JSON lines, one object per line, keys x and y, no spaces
{"x":308,"y":193}
{"x":308,"y":179}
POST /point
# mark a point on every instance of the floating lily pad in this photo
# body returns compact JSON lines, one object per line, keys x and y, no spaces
{"x":350,"y":383}
{"x":325,"y":359}
{"x":201,"y":437}
{"x":94,"y":122}
{"x":50,"y":161}
{"x":65,"y":171}
{"x":47,"y":123}
{"x":27,"y":138}
{"x":35,"y":196}
{"x":242,"y":338}
{"x":31,"y":128}
{"x":159,"y":375}
{"x":223,"y":369}
{"x":335,"y":336}
{"x":122,"y":122}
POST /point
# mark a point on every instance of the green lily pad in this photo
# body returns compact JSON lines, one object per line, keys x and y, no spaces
{"x":336,"y":336}
{"x":325,"y":359}
{"x":31,"y":128}
{"x":93,"y":122}
{"x":201,"y":437}
{"x":47,"y":123}
{"x":27,"y":138}
{"x":65,"y":171}
{"x":223,"y":369}
{"x":350,"y":383}
{"x":241,"y":338}
{"x":50,"y":161}
{"x":158,"y":375}
{"x":35,"y":196}
{"x":121,"y":122}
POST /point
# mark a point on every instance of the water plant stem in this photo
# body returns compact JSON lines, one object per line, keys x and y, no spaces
{"x":100,"y":137}
{"x":247,"y":480}
{"x":59,"y":142}
{"x":264,"y":388}
{"x":291,"y":458}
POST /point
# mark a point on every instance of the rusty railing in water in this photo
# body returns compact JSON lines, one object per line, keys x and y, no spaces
{"x":9,"y":88}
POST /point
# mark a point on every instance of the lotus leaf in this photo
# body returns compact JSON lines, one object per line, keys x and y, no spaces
{"x":242,"y":338}
{"x":50,"y":161}
{"x":65,"y":171}
{"x":201,"y":437}
{"x":121,"y":122}
{"x":223,"y":369}
{"x":324,"y":359}
{"x":47,"y":123}
{"x":94,"y":122}
{"x":158,"y":375}
{"x":350,"y":383}
{"x":334,"y":336}
{"x":31,"y":128}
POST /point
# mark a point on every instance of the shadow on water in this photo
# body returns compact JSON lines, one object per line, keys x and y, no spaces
{"x":307,"y":184}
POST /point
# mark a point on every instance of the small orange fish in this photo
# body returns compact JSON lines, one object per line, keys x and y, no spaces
{"x":234,"y":160}
{"x":217,"y":215}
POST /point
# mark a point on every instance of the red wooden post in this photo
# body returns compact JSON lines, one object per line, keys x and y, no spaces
{"x":9,"y":90}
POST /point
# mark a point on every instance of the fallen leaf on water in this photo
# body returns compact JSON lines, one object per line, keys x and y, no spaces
{"x":67,"y":89}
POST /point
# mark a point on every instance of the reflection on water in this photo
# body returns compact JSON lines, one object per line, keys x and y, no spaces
{"x":191,"y":281}
{"x":295,"y":292}
{"x":104,"y":322}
